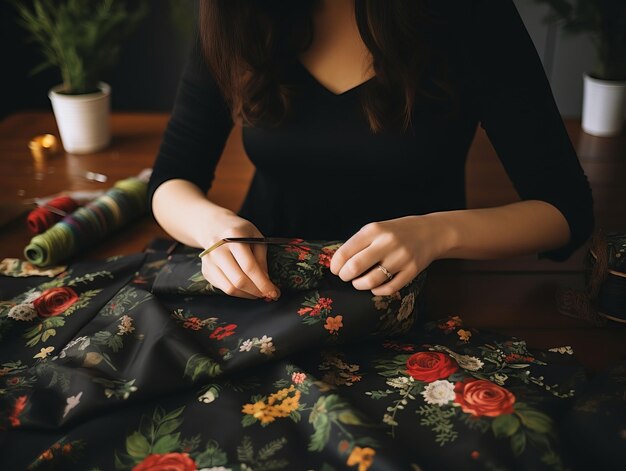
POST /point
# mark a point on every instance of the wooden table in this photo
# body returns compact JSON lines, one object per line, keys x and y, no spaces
{"x":515,"y":296}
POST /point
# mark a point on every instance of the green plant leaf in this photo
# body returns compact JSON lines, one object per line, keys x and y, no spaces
{"x":245,"y":451}
{"x":320,"y":437}
{"x":248,"y":420}
{"x":535,"y":420}
{"x":518,"y":442}
{"x":174,"y":414}
{"x":350,"y":418}
{"x":271,"y":448}
{"x":168,"y":427}
{"x":137,"y":445}
{"x":47,"y":334}
{"x":213,"y":455}
{"x":505,"y":425}
{"x":166,"y":444}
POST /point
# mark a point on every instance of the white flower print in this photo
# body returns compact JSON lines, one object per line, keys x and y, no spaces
{"x":126,"y":325}
{"x":267,"y":348}
{"x":23,"y":312}
{"x":31,"y":297}
{"x":566,"y":350}
{"x":72,"y":402}
{"x":468,"y":362}
{"x":439,"y":392}
{"x":207,"y":397}
{"x":389,"y":420}
{"x":400,"y":382}
{"x":246,"y":346}
{"x":84,"y":342}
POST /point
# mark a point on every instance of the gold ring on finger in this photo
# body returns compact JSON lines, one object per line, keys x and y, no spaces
{"x":385,"y":271}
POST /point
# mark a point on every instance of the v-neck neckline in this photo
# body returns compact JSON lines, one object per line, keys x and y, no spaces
{"x":327,"y":90}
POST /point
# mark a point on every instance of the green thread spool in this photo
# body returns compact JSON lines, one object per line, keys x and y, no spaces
{"x":122,"y":203}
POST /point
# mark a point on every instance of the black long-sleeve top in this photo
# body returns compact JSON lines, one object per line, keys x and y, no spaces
{"x":323,"y":174}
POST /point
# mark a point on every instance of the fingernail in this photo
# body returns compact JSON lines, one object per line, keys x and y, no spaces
{"x":274,"y":294}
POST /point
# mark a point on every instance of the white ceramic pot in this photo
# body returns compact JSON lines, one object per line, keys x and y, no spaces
{"x":604,"y":103}
{"x":83,"y":120}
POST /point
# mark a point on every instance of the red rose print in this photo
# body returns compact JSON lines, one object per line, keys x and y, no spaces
{"x":481,"y":397}
{"x":55,"y":301}
{"x":18,"y":407}
{"x":221,"y":332}
{"x":430,"y":366}
{"x":167,"y":462}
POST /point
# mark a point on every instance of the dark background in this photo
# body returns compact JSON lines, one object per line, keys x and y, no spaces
{"x":145,"y":77}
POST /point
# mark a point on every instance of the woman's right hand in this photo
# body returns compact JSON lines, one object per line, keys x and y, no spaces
{"x":238,"y":269}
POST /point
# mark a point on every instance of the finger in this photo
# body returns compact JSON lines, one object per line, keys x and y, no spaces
{"x":244,"y":255}
{"x":225,"y":260}
{"x":393,"y":263}
{"x":260,"y":253}
{"x":352,"y":246}
{"x":396,"y":284}
{"x":372,"y":279}
{"x":361,"y":262}
{"x":216,"y":277}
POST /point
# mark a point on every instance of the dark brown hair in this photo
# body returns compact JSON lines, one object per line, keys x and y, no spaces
{"x":249,"y":44}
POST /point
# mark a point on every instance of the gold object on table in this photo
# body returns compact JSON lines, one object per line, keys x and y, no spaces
{"x":44,"y":145}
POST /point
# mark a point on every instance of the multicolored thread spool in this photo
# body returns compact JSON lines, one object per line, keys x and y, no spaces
{"x":88,"y":224}
{"x":45,"y":216}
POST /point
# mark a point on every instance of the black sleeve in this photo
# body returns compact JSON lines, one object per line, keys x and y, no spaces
{"x":197,"y":129}
{"x":518,"y":112}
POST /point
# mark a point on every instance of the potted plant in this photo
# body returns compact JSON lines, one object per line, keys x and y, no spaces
{"x":604,"y":94}
{"x":82,"y":38}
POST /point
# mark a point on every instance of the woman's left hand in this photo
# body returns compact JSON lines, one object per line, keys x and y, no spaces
{"x":403,"y":246}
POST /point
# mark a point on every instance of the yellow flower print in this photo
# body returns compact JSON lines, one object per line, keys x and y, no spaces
{"x":280,"y":404}
{"x":464,"y":335}
{"x":364,"y":457}
{"x":44,"y":352}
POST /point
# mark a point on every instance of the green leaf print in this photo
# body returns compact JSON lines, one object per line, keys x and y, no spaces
{"x":438,"y":419}
{"x":321,"y":424}
{"x":199,"y":365}
{"x":245,"y":451}
{"x":518,"y":443}
{"x":166,"y":444}
{"x":505,"y":425}
{"x":271,"y":448}
{"x":535,"y":420}
{"x":137,"y":446}
{"x":213,"y":455}
{"x":168,"y":427}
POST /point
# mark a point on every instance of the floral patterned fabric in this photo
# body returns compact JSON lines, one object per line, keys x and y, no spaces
{"x":134,"y":363}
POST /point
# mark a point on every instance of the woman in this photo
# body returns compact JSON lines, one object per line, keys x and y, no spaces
{"x":358,"y":116}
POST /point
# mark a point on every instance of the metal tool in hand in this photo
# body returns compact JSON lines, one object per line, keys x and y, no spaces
{"x":252,"y":240}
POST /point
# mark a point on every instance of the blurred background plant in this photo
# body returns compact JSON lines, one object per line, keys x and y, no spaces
{"x":605,"y":23}
{"x":82,"y":38}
